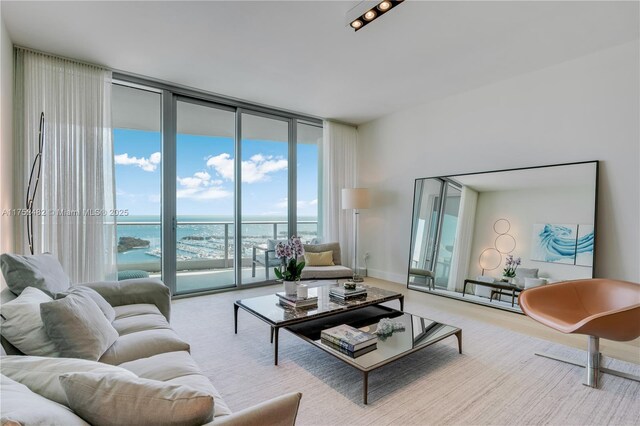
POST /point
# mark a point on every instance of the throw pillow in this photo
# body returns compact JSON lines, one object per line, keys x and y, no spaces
{"x":534,"y":282}
{"x":106,"y":399}
{"x":42,"y":271}
{"x":22,"y":325}
{"x":24,"y":407}
{"x":324,"y":258}
{"x":104,"y":306}
{"x":41,"y":374}
{"x":527,"y":273}
{"x":77,"y":327}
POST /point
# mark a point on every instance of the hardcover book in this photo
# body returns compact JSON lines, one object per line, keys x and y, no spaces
{"x":347,"y":352}
{"x":312,"y":296}
{"x":348,"y":337}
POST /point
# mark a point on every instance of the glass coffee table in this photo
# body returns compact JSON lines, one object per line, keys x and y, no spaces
{"x":268,"y":308}
{"x":418,"y":333}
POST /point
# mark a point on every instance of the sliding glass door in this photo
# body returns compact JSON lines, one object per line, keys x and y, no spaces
{"x":210,"y":187}
{"x":137,"y":146}
{"x":309,"y":139}
{"x":205,"y":146}
{"x":265,"y":194}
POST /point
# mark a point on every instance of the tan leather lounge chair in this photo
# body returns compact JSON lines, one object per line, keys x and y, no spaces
{"x":599,"y":308}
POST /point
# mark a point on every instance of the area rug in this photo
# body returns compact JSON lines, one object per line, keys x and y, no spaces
{"x":496,"y":381}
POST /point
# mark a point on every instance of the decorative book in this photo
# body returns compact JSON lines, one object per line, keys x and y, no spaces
{"x":347,"y":352}
{"x":313,"y":295}
{"x":343,"y":293}
{"x":299,"y":305}
{"x":348,"y":337}
{"x":298,"y":302}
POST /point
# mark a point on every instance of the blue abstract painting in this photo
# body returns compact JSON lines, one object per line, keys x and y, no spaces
{"x":584,"y":245}
{"x":554,"y":243}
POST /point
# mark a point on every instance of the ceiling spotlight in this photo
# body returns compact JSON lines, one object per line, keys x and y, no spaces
{"x":384,"y":6}
{"x":367,"y":11}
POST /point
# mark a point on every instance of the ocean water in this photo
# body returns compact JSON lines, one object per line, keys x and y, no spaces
{"x":203,"y":237}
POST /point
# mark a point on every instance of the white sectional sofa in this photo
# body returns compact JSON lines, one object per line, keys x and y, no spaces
{"x":146,"y":346}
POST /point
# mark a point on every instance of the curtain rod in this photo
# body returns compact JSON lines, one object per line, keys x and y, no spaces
{"x":64,"y":58}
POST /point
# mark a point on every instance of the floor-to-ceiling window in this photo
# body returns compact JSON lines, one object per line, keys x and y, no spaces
{"x":309,"y":138}
{"x":265,"y":193}
{"x":212,"y":185}
{"x":137,"y":145}
{"x":204,"y":164}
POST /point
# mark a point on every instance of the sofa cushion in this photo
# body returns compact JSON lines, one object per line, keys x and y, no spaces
{"x":22,"y":325}
{"x":178,"y":368}
{"x":104,"y":306}
{"x":40,"y":374}
{"x":24,"y":407}
{"x":319,"y":248}
{"x":143,"y":344}
{"x":42,"y":271}
{"x":324,"y":258}
{"x":78,"y":327}
{"x":326,"y":272}
{"x":105,"y":399}
{"x":125,"y":311}
{"x":133,"y":324}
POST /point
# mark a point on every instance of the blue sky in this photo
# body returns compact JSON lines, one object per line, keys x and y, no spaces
{"x":205,"y":175}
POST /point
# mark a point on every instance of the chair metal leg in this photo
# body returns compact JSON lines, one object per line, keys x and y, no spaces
{"x":592,"y":379}
{"x":593,"y":365}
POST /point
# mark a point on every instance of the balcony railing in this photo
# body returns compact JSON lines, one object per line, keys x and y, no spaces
{"x":201,"y":245}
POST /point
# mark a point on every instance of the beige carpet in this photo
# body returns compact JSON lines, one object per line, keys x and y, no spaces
{"x":497,"y":380}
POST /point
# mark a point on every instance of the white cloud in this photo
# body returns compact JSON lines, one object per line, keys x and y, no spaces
{"x":213,"y":193}
{"x":223,"y":164}
{"x":154,"y":198}
{"x":199,"y":179}
{"x":200,"y":186}
{"x":256,"y":169}
{"x":282,"y":204}
{"x":147,"y":164}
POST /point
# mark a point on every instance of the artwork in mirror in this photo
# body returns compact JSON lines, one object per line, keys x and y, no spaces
{"x":485,"y":237}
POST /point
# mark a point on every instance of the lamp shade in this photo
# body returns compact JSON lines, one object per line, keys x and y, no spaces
{"x":355,"y":198}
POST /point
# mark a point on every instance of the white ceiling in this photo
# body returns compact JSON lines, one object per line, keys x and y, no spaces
{"x":300,"y":55}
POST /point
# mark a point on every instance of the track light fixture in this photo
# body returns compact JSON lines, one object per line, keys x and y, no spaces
{"x":368,"y":11}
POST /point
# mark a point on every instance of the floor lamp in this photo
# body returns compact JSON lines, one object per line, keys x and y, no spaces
{"x":355,"y":199}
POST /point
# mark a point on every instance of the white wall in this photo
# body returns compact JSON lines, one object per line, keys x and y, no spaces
{"x":524,"y":208}
{"x":584,"y":109}
{"x":6,"y":136}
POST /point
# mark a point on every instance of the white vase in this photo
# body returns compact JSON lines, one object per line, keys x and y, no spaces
{"x":290,"y":288}
{"x":507,"y":279}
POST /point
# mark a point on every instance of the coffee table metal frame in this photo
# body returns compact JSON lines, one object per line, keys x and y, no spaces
{"x":276,"y":326}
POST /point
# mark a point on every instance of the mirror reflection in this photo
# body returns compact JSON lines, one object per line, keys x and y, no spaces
{"x":485,"y":237}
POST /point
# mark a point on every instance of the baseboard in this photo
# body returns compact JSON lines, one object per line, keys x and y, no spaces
{"x":388,"y":276}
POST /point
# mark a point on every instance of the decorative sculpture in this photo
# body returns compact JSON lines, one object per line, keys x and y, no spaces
{"x":31,"y":193}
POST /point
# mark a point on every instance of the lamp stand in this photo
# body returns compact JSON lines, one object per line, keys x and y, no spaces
{"x":356,"y":276}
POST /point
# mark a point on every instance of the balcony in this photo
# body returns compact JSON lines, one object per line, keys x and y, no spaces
{"x":204,"y":250}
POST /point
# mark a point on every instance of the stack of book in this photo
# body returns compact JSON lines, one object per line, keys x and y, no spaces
{"x":349,"y":340}
{"x":294,"y":301}
{"x":346,"y":294}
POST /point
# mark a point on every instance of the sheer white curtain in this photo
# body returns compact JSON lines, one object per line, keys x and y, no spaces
{"x":76,"y":190}
{"x":461,"y":256}
{"x":338,"y":172}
